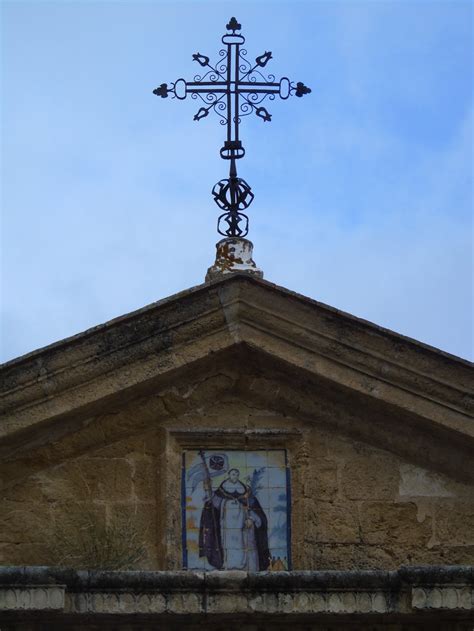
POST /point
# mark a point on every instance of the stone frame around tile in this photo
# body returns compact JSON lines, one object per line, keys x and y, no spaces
{"x":177,"y":440}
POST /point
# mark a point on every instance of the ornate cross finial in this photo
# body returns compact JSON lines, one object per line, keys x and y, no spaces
{"x":232,"y":88}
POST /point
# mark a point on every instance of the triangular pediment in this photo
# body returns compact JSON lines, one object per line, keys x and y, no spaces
{"x":243,"y":336}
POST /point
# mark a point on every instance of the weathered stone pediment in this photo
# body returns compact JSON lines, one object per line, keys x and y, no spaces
{"x":255,"y":340}
{"x":376,"y":430}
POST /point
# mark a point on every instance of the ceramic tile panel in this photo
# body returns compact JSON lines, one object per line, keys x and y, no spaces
{"x":236,"y":510}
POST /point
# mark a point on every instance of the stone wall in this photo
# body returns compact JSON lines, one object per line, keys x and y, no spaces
{"x":112,"y":485}
{"x":354,"y":505}
{"x":369,"y":509}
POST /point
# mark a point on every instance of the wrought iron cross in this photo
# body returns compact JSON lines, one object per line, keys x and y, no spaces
{"x":232,"y":88}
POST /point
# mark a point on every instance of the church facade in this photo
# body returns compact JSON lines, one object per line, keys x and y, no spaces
{"x":240,"y":455}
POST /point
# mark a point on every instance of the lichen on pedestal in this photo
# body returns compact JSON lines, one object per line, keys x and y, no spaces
{"x":234,"y":254}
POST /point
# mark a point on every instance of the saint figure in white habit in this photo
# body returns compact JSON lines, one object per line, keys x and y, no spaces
{"x":233,"y":529}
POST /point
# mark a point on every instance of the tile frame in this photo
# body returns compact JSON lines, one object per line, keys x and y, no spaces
{"x":175,"y":440}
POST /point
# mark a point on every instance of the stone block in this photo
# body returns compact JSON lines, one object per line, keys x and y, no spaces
{"x":392,"y":556}
{"x":418,"y":482}
{"x":318,"y":439}
{"x":332,"y":522}
{"x":24,"y":554}
{"x":389,"y":523}
{"x":374,"y":476}
{"x":141,"y":518}
{"x":235,"y":410}
{"x":335,"y":556}
{"x":27,"y":490}
{"x":23,"y":466}
{"x":120,"y":426}
{"x":86,"y":439}
{"x":342,"y":448}
{"x":144,"y":478}
{"x":23,"y":522}
{"x":320,"y":483}
{"x":152,"y":560}
{"x":455,"y":522}
{"x":107,"y":479}
{"x":142,"y":444}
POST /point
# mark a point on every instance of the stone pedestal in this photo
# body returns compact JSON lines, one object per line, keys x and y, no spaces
{"x":234,"y":254}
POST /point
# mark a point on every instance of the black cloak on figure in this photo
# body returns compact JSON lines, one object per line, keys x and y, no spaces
{"x":210,"y":538}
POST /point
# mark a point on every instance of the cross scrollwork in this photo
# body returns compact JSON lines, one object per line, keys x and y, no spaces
{"x":232,"y":88}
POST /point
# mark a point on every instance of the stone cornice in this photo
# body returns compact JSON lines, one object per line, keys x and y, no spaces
{"x":143,"y":347}
{"x":444,"y":592}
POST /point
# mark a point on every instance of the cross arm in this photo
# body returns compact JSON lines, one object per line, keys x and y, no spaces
{"x":284,"y":88}
{"x":181,"y":88}
{"x":211,"y":93}
{"x":253,"y":93}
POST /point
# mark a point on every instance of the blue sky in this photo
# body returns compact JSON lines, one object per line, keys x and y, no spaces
{"x":363,"y":191}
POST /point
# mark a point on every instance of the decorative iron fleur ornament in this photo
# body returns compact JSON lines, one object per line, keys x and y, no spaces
{"x":232,"y":88}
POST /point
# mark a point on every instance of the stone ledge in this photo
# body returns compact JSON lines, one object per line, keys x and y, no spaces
{"x":231,"y":602}
{"x":438,"y":597}
{"x":27,"y":597}
{"x":404,"y":592}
